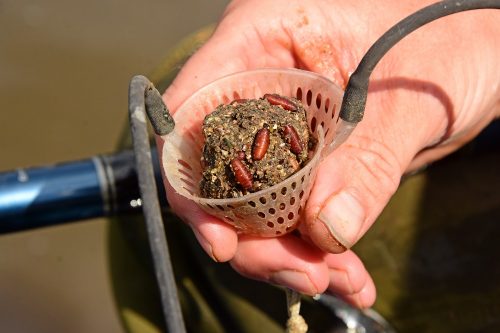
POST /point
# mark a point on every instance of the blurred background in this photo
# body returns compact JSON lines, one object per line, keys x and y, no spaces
{"x":64,"y":73}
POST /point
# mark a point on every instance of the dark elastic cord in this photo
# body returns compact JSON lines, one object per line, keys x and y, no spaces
{"x":354,"y":101}
{"x":151,"y":207}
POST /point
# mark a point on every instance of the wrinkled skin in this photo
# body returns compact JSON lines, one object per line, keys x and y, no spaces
{"x":428,"y":96}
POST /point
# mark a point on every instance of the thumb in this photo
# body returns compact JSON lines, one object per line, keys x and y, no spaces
{"x":361,"y":176}
{"x":355,"y":182}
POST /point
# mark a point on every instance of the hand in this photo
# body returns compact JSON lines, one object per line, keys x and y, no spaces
{"x":428,"y":96}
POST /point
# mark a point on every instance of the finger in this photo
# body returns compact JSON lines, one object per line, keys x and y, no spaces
{"x":350,"y":280}
{"x":287,"y":261}
{"x":359,"y":178}
{"x":235,"y":46}
{"x":218,"y":239}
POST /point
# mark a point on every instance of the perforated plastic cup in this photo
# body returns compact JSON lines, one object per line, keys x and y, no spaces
{"x":276,"y":210}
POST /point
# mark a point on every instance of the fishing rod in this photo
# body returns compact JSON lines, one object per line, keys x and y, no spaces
{"x":99,"y":186}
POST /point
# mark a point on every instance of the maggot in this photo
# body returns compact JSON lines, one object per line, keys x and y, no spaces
{"x":292,"y":138}
{"x":260,"y":144}
{"x":242,"y":175}
{"x":284,"y":102}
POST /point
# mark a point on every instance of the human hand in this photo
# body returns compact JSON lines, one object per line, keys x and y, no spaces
{"x":428,"y":96}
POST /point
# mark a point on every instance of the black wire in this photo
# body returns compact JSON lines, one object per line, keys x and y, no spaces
{"x":139,"y":93}
{"x":354,"y":101}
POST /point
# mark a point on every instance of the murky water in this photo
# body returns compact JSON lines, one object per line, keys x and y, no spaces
{"x":65,"y":67}
{"x":64,"y":73}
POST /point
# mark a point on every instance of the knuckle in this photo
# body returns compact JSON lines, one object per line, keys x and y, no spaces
{"x":376,"y":167}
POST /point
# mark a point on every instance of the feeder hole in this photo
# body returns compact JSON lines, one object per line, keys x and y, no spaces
{"x":187,"y":182}
{"x":309,"y":97}
{"x":184,"y":164}
{"x":299,"y":94}
{"x":313,"y":124}
{"x":261,"y":214}
{"x":193,"y":139}
{"x":318,"y":101}
{"x":270,"y":224}
{"x":262,"y":200}
{"x":189,"y":190}
{"x":185,"y":173}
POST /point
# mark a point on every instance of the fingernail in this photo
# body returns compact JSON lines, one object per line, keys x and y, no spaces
{"x":295,"y":280}
{"x":205,"y":244}
{"x":343,"y":215}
